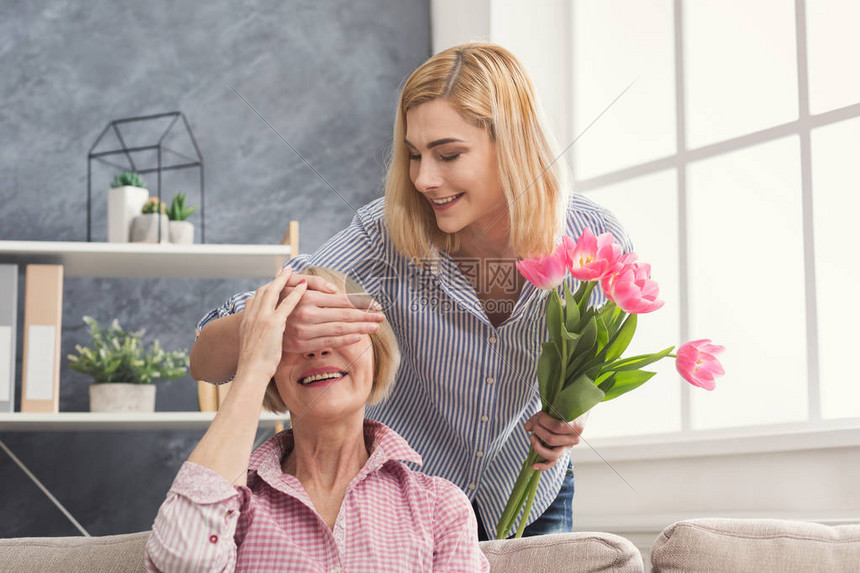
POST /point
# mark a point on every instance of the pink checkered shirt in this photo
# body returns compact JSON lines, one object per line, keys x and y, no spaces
{"x":392,"y":518}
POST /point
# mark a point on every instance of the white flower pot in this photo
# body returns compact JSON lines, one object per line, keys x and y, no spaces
{"x":144,"y":228}
{"x":124,"y":204}
{"x":122,"y":397}
{"x":181,"y":232}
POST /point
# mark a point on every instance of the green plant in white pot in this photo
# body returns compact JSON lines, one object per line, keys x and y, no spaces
{"x":123,"y":370}
{"x":145,"y":227}
{"x":126,"y":197}
{"x":181,"y":230}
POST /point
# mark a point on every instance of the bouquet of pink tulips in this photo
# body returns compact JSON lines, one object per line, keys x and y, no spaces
{"x":582,"y":364}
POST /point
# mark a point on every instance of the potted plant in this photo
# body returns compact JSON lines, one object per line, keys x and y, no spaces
{"x":181,"y":230}
{"x":145,"y":227}
{"x":123,"y":371}
{"x":126,"y":197}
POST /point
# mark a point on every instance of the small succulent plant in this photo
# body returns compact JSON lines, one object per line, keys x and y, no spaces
{"x":129,"y":178}
{"x":119,"y":356}
{"x":177,"y":210}
{"x":152,"y":206}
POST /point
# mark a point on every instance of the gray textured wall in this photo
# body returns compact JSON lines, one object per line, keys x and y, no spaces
{"x":325,"y":74}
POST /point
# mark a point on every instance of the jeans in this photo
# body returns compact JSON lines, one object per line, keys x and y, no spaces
{"x":558,"y":517}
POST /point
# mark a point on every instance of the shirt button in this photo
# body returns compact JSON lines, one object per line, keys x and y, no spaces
{"x":479,"y":454}
{"x":471,"y":486}
{"x":485,"y":419}
{"x":490,"y":379}
{"x":213,"y":539}
{"x":491,"y":340}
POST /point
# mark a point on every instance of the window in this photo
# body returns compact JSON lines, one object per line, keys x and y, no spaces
{"x":735,"y":166}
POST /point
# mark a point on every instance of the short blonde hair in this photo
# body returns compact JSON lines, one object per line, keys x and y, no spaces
{"x":489,"y":88}
{"x":386,"y":352}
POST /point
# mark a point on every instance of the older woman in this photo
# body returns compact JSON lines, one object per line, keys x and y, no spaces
{"x":330,"y":494}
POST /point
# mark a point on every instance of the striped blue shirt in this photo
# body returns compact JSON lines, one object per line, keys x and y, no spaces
{"x":465,"y":388}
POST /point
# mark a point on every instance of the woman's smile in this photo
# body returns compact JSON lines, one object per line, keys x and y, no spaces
{"x":445,"y":202}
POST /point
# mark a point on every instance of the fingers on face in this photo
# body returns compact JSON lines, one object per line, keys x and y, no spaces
{"x":268,"y":293}
{"x":314,"y":283}
{"x":289,"y":303}
{"x":317,"y":344}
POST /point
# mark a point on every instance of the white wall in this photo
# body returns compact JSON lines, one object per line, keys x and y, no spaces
{"x":535,"y":32}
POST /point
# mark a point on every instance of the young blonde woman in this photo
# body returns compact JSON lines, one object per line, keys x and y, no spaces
{"x":473,"y":184}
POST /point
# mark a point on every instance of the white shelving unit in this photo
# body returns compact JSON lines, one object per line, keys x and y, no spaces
{"x":145,"y":260}
{"x":139,"y":260}
{"x":132,"y":421}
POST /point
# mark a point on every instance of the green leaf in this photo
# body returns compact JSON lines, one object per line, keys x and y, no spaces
{"x":572,"y":370}
{"x":622,"y":339}
{"x":582,"y":302}
{"x":627,"y":381}
{"x":580,"y":291}
{"x":602,"y":333}
{"x":605,"y":381}
{"x":571,"y":311}
{"x":600,"y":379}
{"x":635,"y":362}
{"x":612,"y":317}
{"x":553,"y":316}
{"x":548,"y":371}
{"x":588,"y":338}
{"x":576,"y":399}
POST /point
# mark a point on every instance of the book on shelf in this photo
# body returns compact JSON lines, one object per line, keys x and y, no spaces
{"x":8,"y":325}
{"x":43,"y":324}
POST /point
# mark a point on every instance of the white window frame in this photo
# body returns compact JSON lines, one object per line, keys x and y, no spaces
{"x":503,"y":21}
{"x":680,"y":161}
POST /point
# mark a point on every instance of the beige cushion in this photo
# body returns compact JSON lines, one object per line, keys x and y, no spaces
{"x":560,"y":552}
{"x":124,"y":553}
{"x":756,"y":545}
{"x":108,"y":554}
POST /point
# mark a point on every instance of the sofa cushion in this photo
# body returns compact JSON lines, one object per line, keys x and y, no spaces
{"x":108,"y":554}
{"x":581,"y":551}
{"x":124,"y":553}
{"x":756,"y":545}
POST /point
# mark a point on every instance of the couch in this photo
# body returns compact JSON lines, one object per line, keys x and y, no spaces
{"x":737,"y":545}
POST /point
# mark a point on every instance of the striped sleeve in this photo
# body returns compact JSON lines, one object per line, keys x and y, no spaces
{"x":354,"y":251}
{"x":456,"y":531}
{"x":195,"y":525}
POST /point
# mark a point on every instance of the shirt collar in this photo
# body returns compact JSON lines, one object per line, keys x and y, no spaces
{"x":385,"y":445}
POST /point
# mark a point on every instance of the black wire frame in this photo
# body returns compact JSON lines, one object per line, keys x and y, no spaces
{"x":193,"y":162}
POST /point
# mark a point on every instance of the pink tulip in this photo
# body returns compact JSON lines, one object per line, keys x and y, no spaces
{"x":631,"y":287}
{"x":592,"y":258}
{"x":698,"y":365}
{"x":545,"y":272}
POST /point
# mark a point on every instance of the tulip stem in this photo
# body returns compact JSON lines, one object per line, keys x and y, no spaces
{"x":518,"y":495}
{"x":532,"y":490}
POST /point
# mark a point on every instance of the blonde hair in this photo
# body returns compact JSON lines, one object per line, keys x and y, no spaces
{"x":489,"y":88}
{"x":386,"y":352}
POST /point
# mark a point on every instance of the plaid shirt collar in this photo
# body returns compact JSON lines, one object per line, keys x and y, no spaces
{"x":386,"y":445}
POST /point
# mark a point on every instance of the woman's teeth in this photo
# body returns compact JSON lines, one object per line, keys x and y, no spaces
{"x":447,"y":200}
{"x":318,"y":377}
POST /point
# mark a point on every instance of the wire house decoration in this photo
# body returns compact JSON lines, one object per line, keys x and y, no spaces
{"x":149,"y":155}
